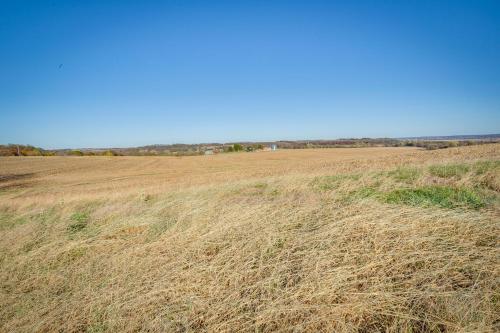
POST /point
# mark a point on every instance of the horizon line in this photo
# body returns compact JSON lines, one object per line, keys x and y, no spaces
{"x":428,"y":137}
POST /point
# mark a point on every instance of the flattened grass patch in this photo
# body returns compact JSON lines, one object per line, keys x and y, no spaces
{"x":483,"y":167}
{"x":328,"y":183}
{"x":449,"y":170}
{"x":363,"y":192}
{"x":441,"y":196}
{"x":67,"y":257}
{"x":80,"y":221}
{"x":162,"y":225}
{"x":8,"y":221}
{"x":405,"y":174}
{"x":260,"y":186}
{"x":259,"y":189}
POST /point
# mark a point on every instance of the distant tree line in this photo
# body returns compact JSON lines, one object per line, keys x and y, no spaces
{"x":28,"y":150}
{"x":199,"y":149}
{"x":442,"y":144}
{"x":23,"y":150}
{"x":240,"y":147}
{"x":92,"y":153}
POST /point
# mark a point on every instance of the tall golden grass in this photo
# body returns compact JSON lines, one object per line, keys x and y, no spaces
{"x":343,"y":240}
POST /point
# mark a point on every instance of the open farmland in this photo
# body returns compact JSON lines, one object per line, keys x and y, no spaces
{"x":347,"y":240}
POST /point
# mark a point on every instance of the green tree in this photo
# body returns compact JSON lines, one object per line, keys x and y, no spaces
{"x":75,"y":153}
{"x":109,"y":153}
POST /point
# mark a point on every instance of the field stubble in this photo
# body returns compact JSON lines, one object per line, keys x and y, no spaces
{"x":350,"y":240}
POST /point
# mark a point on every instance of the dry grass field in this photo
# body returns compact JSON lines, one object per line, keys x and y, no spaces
{"x":330,"y":240}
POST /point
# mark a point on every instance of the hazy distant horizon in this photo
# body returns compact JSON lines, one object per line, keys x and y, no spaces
{"x":427,"y":137}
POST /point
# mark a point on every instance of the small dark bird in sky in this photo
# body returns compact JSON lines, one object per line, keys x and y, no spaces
{"x":60,"y":66}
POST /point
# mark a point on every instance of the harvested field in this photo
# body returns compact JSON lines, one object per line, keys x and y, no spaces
{"x":345,"y":240}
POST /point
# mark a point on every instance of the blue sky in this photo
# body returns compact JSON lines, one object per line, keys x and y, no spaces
{"x":129,"y":73}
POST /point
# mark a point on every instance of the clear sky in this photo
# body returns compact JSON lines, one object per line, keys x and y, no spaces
{"x":127,"y":73}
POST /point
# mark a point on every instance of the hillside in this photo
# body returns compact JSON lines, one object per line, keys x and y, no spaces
{"x":180,"y":149}
{"x":345,"y":240}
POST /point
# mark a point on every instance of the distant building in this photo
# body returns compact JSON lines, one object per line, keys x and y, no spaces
{"x":209,"y":152}
{"x":274,"y":147}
